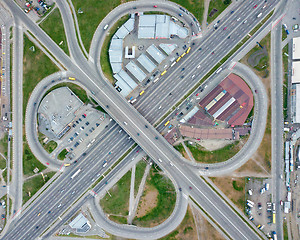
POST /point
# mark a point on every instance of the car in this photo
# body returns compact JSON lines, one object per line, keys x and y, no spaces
{"x":155,"y":6}
{"x":245,"y":21}
{"x":212,"y":53}
{"x":238,"y":19}
{"x":197,"y":94}
{"x":259,"y":206}
{"x":49,"y":212}
{"x":75,"y":161}
{"x":74,"y":125}
{"x":77,"y":122}
{"x":228,"y":37}
{"x":87,"y":123}
{"x":82,"y":127}
{"x":83,"y":115}
{"x":39,"y":214}
{"x":47,"y":163}
{"x":182,"y":69}
{"x":190,"y":187}
{"x":79,"y":119}
{"x":255,"y":6}
{"x":93,"y":128}
{"x":200,"y":49}
{"x":232,"y":12}
{"x":180,"y":189}
{"x":97,"y":124}
{"x":37,"y":227}
{"x":180,"y":15}
{"x":225,"y":28}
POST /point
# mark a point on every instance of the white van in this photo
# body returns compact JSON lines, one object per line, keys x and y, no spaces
{"x":259,"y":15}
{"x":105,"y":27}
{"x":159,"y":160}
{"x":250,"y":192}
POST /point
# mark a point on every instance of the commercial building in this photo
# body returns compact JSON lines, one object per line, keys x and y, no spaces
{"x":231,"y":101}
{"x":296,"y":48}
{"x":296,"y":72}
{"x":146,"y":63}
{"x":125,"y":84}
{"x":159,"y":26}
{"x":80,"y":223}
{"x":136,"y":71}
{"x":155,"y":53}
{"x":57,"y":109}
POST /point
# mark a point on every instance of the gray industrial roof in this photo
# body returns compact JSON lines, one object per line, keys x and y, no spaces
{"x":136,"y":71}
{"x":116,"y":54}
{"x":58,"y":108}
{"x":159,"y":26}
{"x":147,"y":20}
{"x":146,"y":62}
{"x":129,"y":25}
{"x":168,"y":47}
{"x":296,"y":48}
{"x":80,"y":223}
{"x":126,"y":89}
{"x":122,"y":32}
{"x":146,"y":32}
{"x":178,"y":30}
{"x":116,"y":66}
{"x":130,"y":82}
{"x":157,"y":55}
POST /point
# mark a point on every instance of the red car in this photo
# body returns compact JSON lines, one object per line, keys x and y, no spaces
{"x":225,"y":28}
{"x":255,"y":6}
{"x":155,"y":6}
{"x":47,"y":163}
{"x":197,"y":94}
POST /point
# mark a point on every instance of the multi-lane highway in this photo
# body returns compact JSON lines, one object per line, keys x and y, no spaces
{"x":155,"y":146}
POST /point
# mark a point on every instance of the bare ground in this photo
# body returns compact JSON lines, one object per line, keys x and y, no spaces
{"x":148,"y":201}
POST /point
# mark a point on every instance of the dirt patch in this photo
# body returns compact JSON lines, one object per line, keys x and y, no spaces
{"x":148,"y":201}
{"x":233,"y":188}
{"x":214,"y":144}
{"x":208,"y":232}
{"x":252,"y":168}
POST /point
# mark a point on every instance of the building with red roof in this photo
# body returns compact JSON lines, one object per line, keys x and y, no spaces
{"x":231,"y":101}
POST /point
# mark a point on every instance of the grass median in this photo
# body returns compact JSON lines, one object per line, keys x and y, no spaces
{"x":31,"y":186}
{"x":53,"y":26}
{"x":36,"y":66}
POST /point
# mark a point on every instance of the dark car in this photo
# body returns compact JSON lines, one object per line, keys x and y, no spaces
{"x":190,"y":187}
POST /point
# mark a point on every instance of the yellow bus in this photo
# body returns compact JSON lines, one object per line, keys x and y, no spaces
{"x":142,"y":92}
{"x":167,"y":123}
{"x":71,"y":78}
{"x":189,"y":49}
{"x":67,"y":164}
{"x":182,"y":55}
{"x":274,"y":218}
{"x":178,"y":59}
{"x":163,"y":73}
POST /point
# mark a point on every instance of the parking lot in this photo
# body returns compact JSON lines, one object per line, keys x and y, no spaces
{"x":258,"y":192}
{"x":85,"y":127}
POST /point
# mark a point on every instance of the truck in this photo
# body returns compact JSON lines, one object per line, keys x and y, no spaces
{"x":267,"y":186}
{"x":104,"y":164}
{"x":274,"y":235}
{"x":76,"y":173}
{"x":289,"y":196}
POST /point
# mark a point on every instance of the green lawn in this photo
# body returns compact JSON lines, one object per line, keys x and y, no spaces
{"x":62,"y":154}
{"x":284,"y":34}
{"x":54,"y":27}
{"x":2,"y":163}
{"x":285,"y":231}
{"x":30,"y":162}
{"x":219,"y":155}
{"x":79,"y":92}
{"x":118,"y":203}
{"x":180,"y":148}
{"x":216,"y":4}
{"x":165,"y":200}
{"x":285,"y":83}
{"x":4,"y":145}
{"x":94,"y":12}
{"x":104,"y":57}
{"x":139,"y":173}
{"x":196,"y":7}
{"x":34,"y":184}
{"x":50,"y":146}
{"x":36,"y":66}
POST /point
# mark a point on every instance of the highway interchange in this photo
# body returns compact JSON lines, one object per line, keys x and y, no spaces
{"x":121,"y":111}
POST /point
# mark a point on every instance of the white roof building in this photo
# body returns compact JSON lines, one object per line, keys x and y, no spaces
{"x":295,"y":72}
{"x":296,"y":48}
{"x":136,"y":71}
{"x":297,"y":110}
{"x":146,"y":63}
{"x":168,"y":47}
{"x":80,"y":223}
{"x":157,"y":55}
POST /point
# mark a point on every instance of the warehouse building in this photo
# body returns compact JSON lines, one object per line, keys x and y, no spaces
{"x":125,"y":84}
{"x":159,"y":26}
{"x":146,"y":63}
{"x":296,"y":72}
{"x":155,"y":53}
{"x":296,"y":48}
{"x":136,"y":71}
{"x":81,"y":224}
{"x":231,"y":101}
{"x":57,"y":109}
